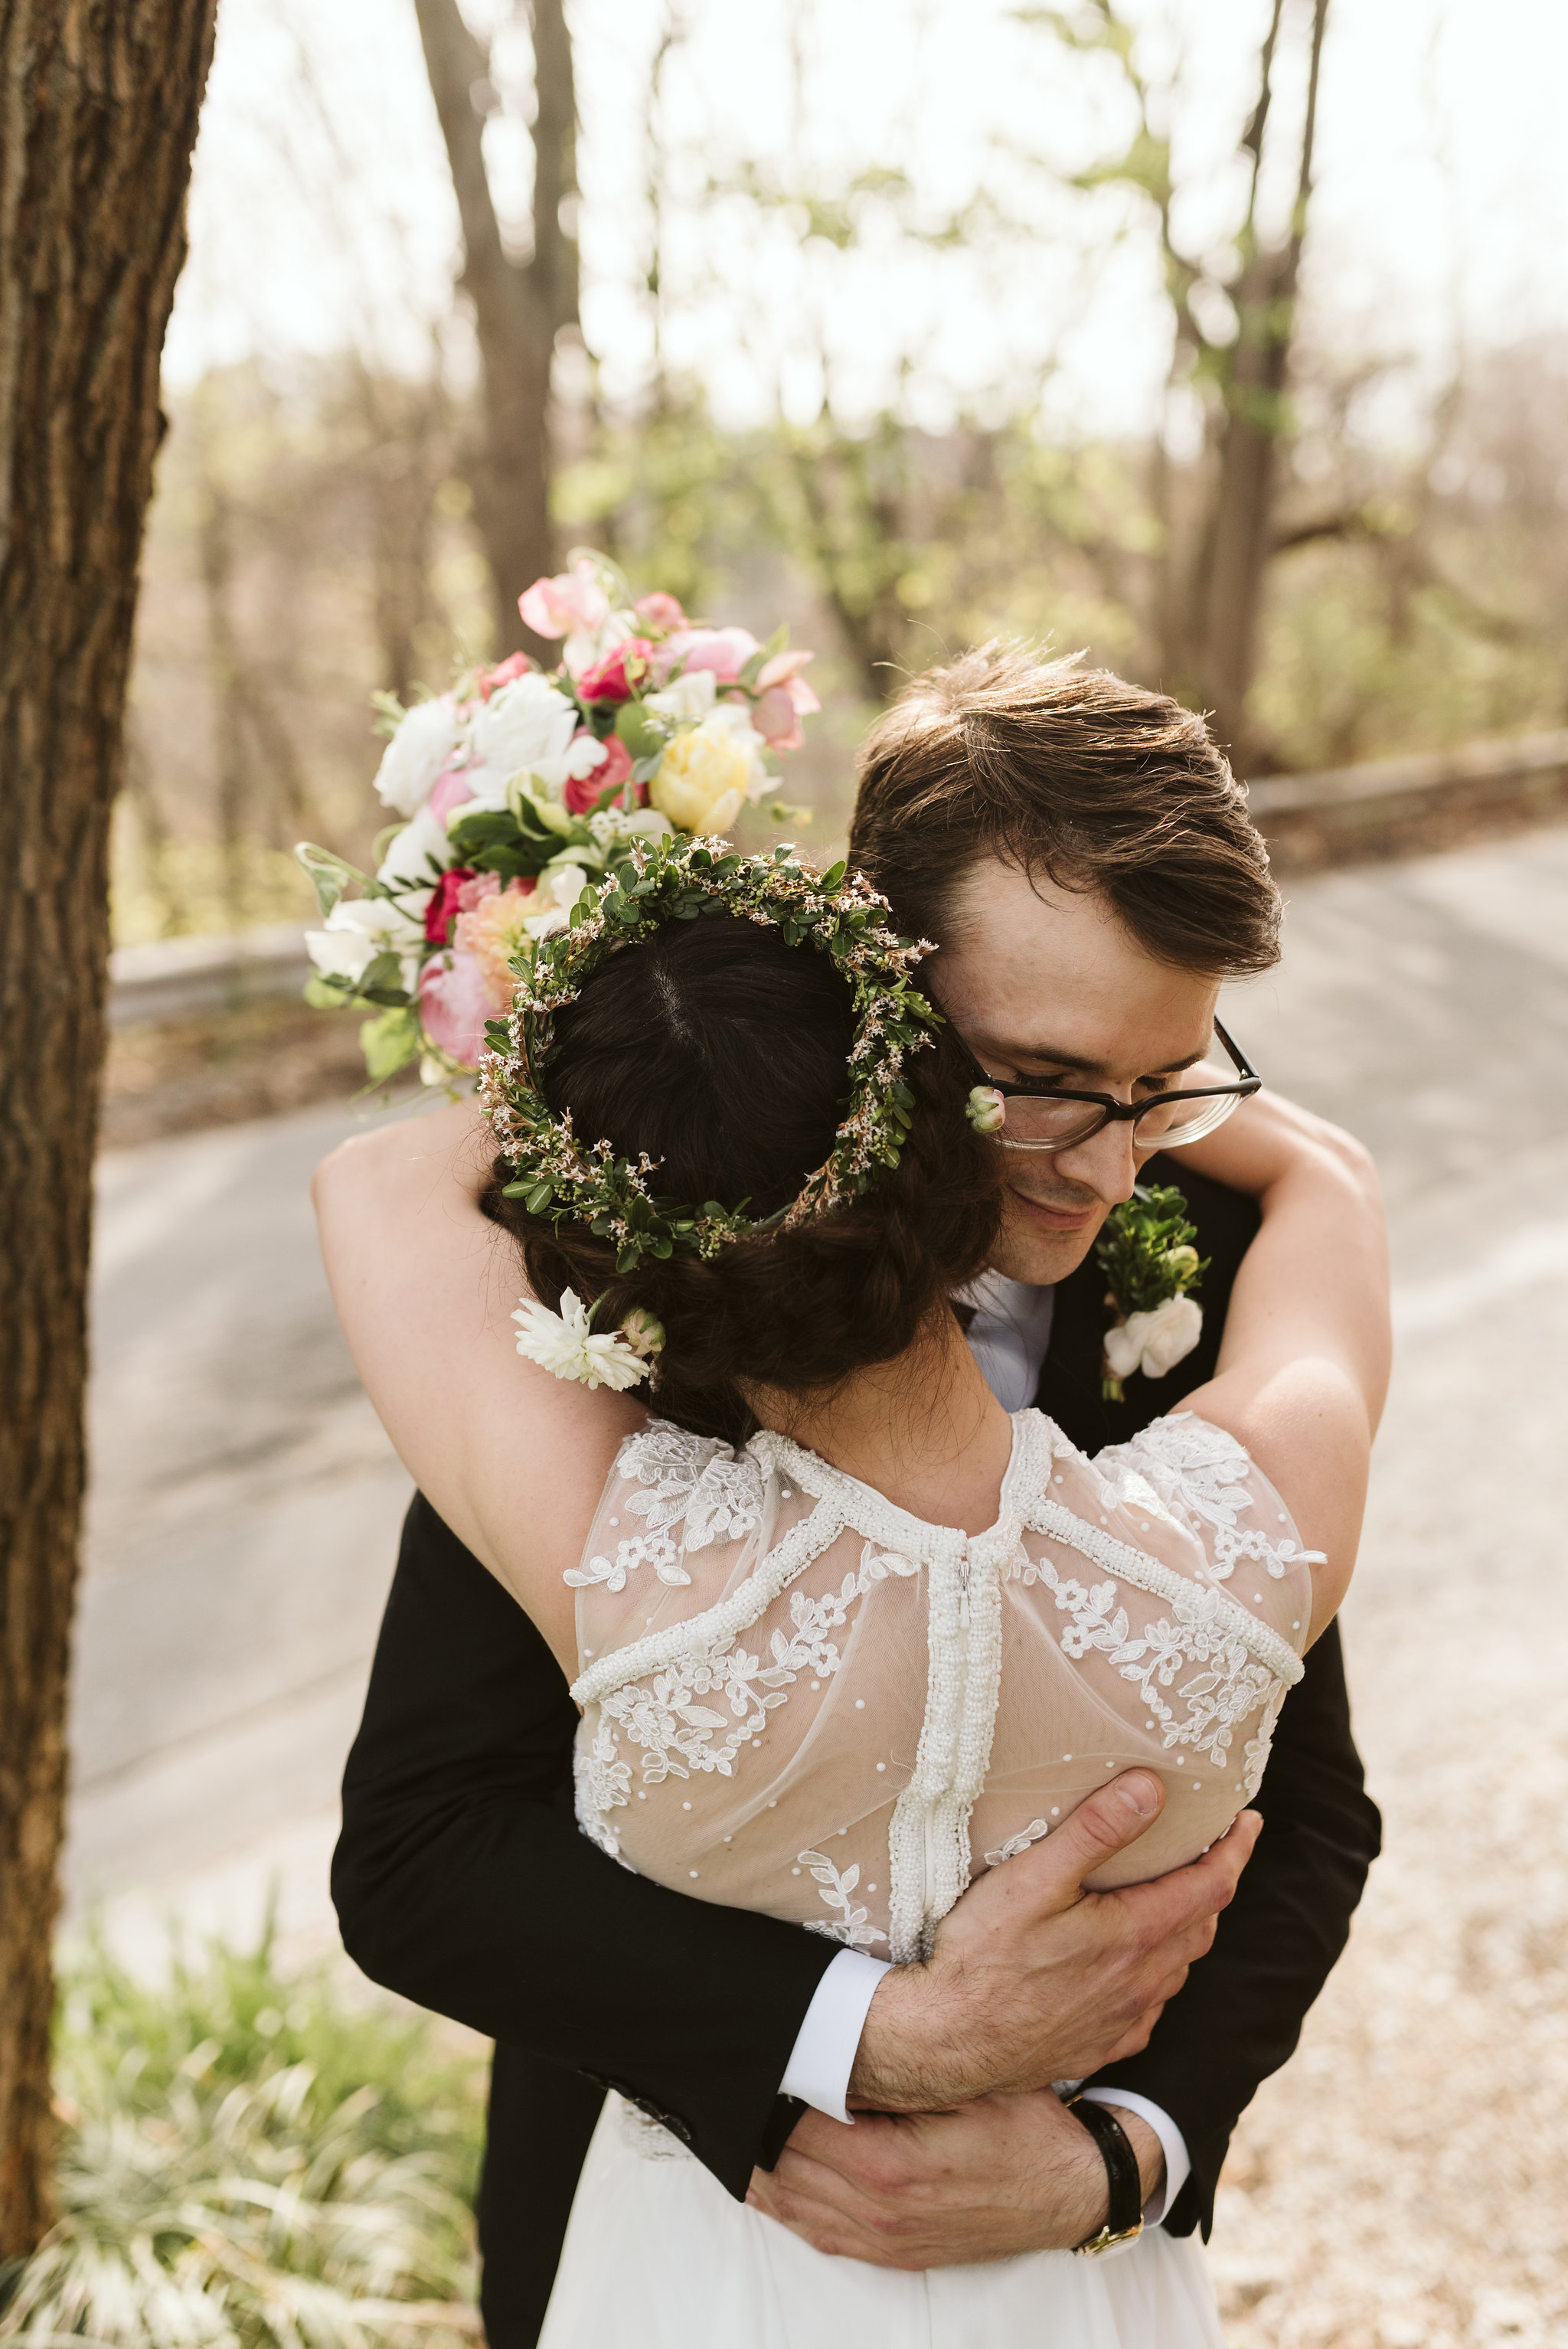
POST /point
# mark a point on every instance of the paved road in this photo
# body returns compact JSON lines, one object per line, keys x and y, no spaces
{"x":245,"y":1506}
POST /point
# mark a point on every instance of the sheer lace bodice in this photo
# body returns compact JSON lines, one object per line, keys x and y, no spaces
{"x":798,"y":1698}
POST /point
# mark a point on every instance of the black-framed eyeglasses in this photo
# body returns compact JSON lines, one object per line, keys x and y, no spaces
{"x":1053,"y":1117}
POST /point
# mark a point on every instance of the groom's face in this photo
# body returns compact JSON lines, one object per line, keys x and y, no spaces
{"x":1041,"y":983}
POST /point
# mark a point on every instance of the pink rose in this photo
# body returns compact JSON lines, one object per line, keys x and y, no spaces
{"x":584,"y":792}
{"x":514,"y":665}
{"x":784,"y":697}
{"x":481,"y":885}
{"x":571,"y":603}
{"x":725,"y":651}
{"x":454,"y":1005}
{"x":445,"y":904}
{"x":617,"y":677}
{"x":660,"y":611}
{"x":454,"y":790}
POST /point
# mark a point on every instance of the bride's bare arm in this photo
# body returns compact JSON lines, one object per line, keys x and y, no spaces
{"x":1303,"y":1367}
{"x":512,"y":1459}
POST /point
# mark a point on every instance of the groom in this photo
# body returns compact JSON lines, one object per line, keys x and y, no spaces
{"x":1077,"y":850}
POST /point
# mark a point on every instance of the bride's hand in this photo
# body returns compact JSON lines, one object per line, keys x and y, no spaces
{"x":1032,"y":1979}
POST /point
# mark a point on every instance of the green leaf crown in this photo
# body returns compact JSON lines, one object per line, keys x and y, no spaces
{"x":558,"y":1177}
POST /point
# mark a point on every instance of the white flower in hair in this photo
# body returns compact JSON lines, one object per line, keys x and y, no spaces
{"x":563,"y":1344}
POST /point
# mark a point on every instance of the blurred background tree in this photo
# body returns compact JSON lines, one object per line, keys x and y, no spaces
{"x":988,"y":321}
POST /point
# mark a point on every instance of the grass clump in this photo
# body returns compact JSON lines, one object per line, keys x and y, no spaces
{"x":251,"y":2160}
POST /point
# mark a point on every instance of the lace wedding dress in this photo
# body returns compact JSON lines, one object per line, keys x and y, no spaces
{"x":800,"y":1700}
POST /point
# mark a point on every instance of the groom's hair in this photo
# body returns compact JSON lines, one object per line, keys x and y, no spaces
{"x":1101,"y":786}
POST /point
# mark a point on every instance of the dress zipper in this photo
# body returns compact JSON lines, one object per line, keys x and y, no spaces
{"x":964,"y":1591}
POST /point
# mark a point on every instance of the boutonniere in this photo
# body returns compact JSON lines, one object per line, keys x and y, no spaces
{"x":1147,"y":1254}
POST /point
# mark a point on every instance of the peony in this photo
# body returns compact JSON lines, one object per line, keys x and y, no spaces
{"x":722,"y":651}
{"x":360,"y":928}
{"x":414,"y":757}
{"x":454,"y":1005}
{"x":524,"y":727}
{"x":660,"y":611}
{"x":617,"y":677}
{"x":563,"y":1344}
{"x":493,"y":931}
{"x":418,"y":855}
{"x":584,"y":792}
{"x":1154,"y":1341}
{"x":454,"y":791}
{"x":574,"y":600}
{"x":707,"y":774}
{"x":783,"y":698}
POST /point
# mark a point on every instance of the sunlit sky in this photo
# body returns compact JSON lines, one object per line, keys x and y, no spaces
{"x":321,"y":208}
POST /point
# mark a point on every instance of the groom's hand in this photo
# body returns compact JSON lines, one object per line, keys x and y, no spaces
{"x":1007,"y":2174}
{"x":1032,"y":1979}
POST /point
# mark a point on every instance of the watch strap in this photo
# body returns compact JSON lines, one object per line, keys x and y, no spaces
{"x":1124,"y":2218}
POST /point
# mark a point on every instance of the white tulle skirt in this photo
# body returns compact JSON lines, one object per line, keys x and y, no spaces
{"x":659,"y":2256}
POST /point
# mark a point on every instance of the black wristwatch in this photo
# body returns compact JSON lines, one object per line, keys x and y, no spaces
{"x":1124,"y":2220}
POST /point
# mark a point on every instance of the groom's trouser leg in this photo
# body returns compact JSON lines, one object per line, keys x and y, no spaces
{"x":541,"y":2117}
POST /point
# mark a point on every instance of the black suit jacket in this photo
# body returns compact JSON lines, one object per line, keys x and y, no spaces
{"x":461,"y":1880}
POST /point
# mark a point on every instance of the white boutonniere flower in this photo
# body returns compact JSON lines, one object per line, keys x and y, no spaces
{"x":567,"y":1346}
{"x":1149,"y":1263}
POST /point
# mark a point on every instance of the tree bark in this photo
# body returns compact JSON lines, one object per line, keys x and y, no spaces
{"x":99,"y":102}
{"x":518,"y":306}
{"x":1239,"y":540}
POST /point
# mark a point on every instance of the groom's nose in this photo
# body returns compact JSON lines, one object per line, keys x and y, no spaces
{"x":1106,"y":1162}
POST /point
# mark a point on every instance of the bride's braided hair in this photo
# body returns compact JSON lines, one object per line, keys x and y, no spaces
{"x":720,"y":1051}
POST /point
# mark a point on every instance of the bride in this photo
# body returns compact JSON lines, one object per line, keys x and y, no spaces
{"x":845,"y":1633}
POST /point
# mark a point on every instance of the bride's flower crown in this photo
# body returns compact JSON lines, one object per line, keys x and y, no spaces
{"x":563,"y":1180}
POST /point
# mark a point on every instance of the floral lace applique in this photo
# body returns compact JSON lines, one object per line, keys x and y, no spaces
{"x":678,"y":1733}
{"x":854,"y":1927}
{"x":1196,"y":1474}
{"x":1216,"y":1699}
{"x":685,"y":1476}
{"x":1036,"y":1830}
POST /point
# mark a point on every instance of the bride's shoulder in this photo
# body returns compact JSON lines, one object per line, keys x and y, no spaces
{"x":670,"y":1492}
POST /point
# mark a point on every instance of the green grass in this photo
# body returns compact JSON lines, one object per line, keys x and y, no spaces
{"x":251,"y":2161}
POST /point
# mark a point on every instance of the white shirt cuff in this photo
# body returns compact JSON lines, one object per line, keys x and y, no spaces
{"x":829,"y":2038}
{"x":1178,"y":2168}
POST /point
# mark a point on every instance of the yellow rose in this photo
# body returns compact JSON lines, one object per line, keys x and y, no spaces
{"x":701,"y":779}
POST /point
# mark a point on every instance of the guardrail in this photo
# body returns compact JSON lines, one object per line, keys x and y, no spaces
{"x":1391,"y":807}
{"x":1344,"y":815}
{"x":185,"y":978}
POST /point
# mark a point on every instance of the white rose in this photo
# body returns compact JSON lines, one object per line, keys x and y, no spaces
{"x":412,"y":762}
{"x":407,"y":864}
{"x":357,"y":930}
{"x":1154,"y":1342}
{"x":690,"y":696}
{"x":525,"y":727}
{"x":559,"y":886}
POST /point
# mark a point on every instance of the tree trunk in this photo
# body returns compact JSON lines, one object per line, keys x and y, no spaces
{"x":100,"y":102}
{"x":518,"y":306}
{"x":1239,"y":537}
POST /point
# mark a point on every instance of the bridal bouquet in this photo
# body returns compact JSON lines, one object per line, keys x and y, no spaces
{"x":516,"y":789}
{"x":1147,"y":1254}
